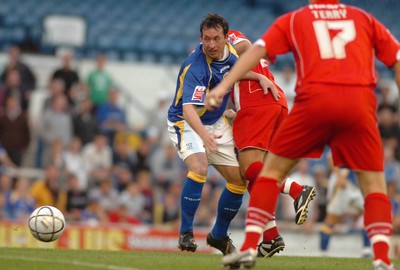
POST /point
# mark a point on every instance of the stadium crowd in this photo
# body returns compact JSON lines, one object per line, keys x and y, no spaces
{"x":97,"y":169}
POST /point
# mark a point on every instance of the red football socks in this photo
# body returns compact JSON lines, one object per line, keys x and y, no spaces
{"x":289,"y":186}
{"x":252,"y":172}
{"x":271,"y":231}
{"x":378,"y":224}
{"x":263,"y":200}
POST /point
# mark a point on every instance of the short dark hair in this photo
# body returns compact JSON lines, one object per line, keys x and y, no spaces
{"x":213,"y":20}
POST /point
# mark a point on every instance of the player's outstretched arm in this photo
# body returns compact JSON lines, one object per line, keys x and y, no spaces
{"x":245,"y":63}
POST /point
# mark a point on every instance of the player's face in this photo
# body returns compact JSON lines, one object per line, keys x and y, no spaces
{"x":214,"y":42}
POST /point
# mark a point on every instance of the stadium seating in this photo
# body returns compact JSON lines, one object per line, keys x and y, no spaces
{"x":152,"y":30}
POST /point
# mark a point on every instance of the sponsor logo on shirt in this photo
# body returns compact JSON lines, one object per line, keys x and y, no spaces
{"x":198,"y":92}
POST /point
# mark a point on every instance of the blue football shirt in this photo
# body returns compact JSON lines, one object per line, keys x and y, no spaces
{"x":197,"y":76}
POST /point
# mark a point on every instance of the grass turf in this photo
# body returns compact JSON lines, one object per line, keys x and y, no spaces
{"x":59,"y":259}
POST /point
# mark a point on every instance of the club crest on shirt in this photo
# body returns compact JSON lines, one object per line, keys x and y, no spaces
{"x":198,"y":92}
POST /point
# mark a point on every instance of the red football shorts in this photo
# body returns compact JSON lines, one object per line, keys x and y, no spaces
{"x":255,"y":126}
{"x":340,"y":116}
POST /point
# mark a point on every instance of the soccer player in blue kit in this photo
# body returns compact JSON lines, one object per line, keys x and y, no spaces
{"x":204,"y":137}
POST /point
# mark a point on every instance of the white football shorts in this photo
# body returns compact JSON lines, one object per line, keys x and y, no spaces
{"x":188,"y":142}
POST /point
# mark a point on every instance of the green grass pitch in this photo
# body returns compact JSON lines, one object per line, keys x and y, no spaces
{"x":59,"y":259}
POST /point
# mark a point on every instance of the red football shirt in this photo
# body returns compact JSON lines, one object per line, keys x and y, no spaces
{"x":343,"y":43}
{"x":248,"y":93}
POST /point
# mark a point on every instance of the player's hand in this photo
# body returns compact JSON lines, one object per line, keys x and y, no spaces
{"x":230,"y":114}
{"x":268,"y":86}
{"x":210,"y":142}
{"x":214,"y":98}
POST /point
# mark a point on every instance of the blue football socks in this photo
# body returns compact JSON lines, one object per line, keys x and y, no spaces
{"x":228,"y":206}
{"x":190,"y":200}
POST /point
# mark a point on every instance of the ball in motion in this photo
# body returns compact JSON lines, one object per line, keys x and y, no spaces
{"x":46,"y":223}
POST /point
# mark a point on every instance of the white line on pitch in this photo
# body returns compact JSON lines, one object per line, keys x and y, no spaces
{"x":73,"y":262}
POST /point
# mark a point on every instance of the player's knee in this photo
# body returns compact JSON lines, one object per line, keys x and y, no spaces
{"x":200,"y":178}
{"x":237,"y":189}
{"x":243,"y":172}
{"x":199,"y":169}
{"x":237,"y":181}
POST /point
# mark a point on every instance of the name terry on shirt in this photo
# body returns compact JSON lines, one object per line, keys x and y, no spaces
{"x":330,"y":14}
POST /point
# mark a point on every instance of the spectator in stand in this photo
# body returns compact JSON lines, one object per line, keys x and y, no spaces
{"x":98,"y":157}
{"x":55,"y":88}
{"x":47,"y":191}
{"x":14,"y":130}
{"x":94,"y":214}
{"x":156,"y":118}
{"x":28,"y":80}
{"x":106,"y":195}
{"x":169,"y":166}
{"x":67,"y":74}
{"x":19,"y":201}
{"x":171,"y":208}
{"x":111,"y":117}
{"x":77,"y":199}
{"x":3,"y":208}
{"x":54,"y":155}
{"x":85,"y":124}
{"x":75,"y":163}
{"x":392,"y":172}
{"x":168,"y":206}
{"x":385,"y":96}
{"x":143,"y":179}
{"x":134,"y":202}
{"x":124,"y":162}
{"x":123,"y":179}
{"x":124,"y":158}
{"x":5,"y":163}
{"x":99,"y":81}
{"x":5,"y":183}
{"x":56,"y":123}
{"x":320,"y":174}
{"x":122,"y":216}
{"x":13,"y":87}
{"x":5,"y":189}
{"x":388,"y":127}
{"x":143,"y":155}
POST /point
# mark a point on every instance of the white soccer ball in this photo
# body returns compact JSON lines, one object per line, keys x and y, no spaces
{"x":46,"y":223}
